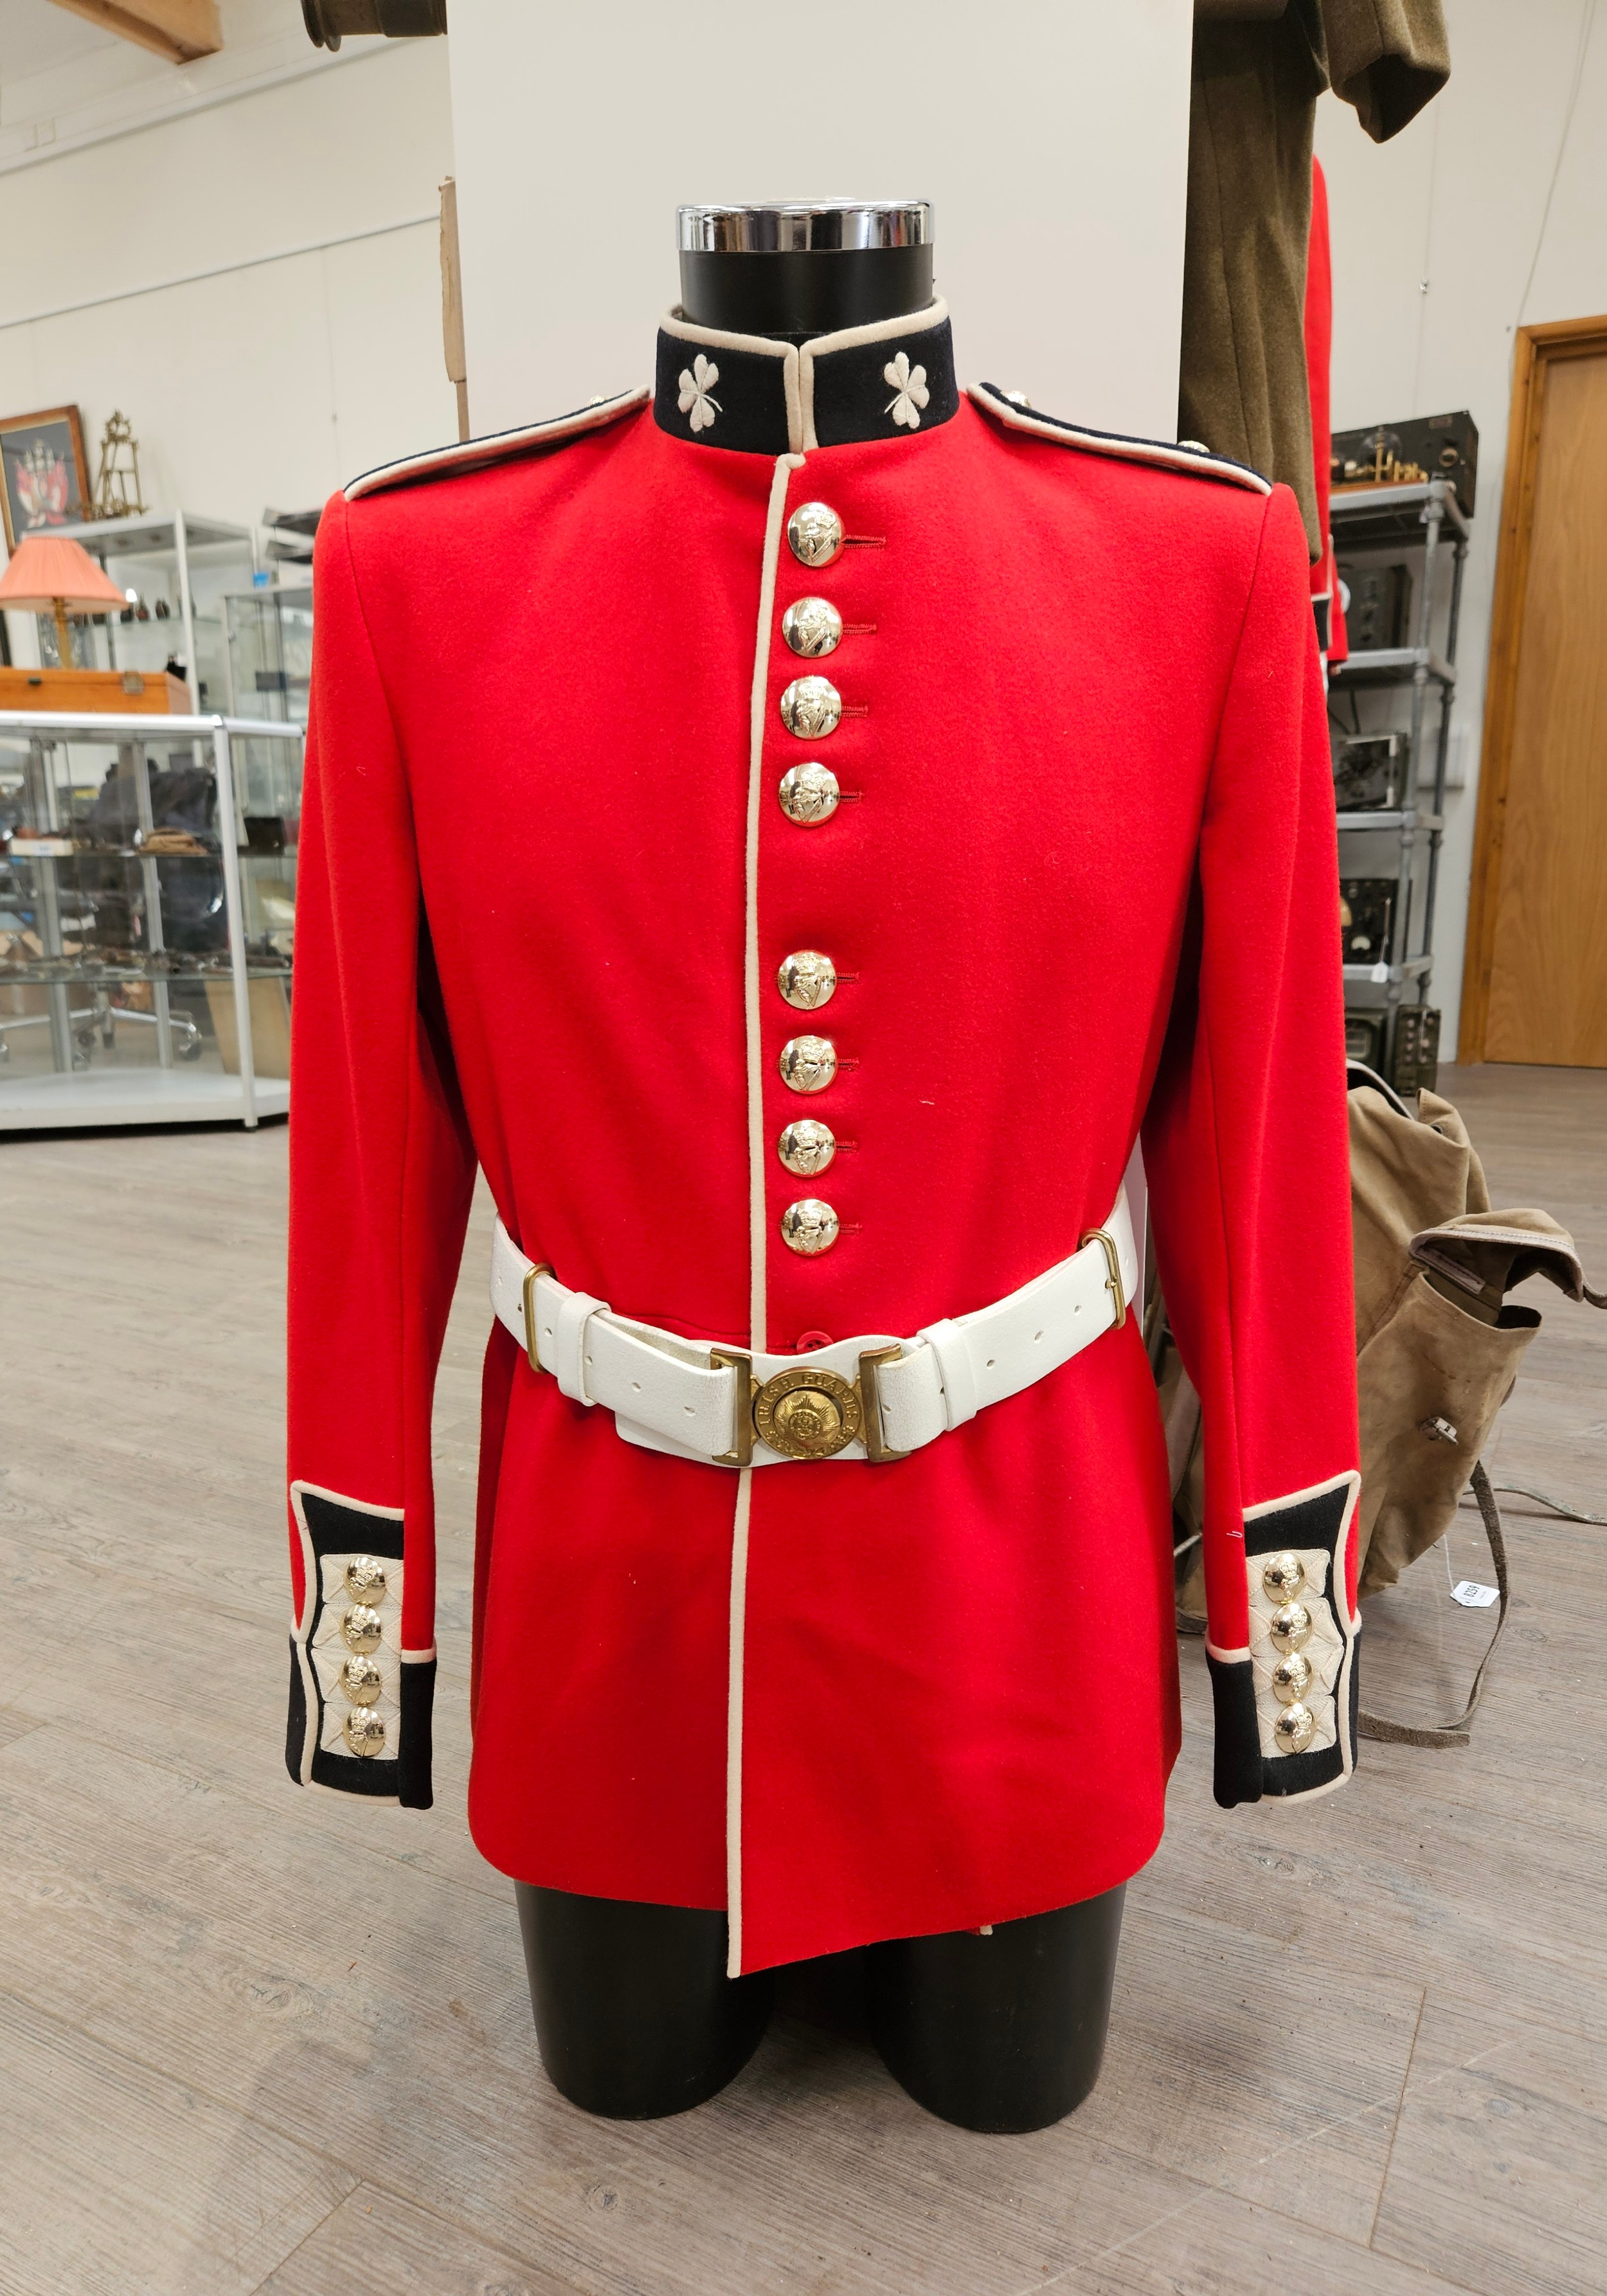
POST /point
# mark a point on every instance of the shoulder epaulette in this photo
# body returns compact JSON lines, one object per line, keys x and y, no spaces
{"x":478,"y":454}
{"x":1192,"y":460}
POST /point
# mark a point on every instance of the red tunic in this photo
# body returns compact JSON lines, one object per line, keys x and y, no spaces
{"x":1082,"y":877}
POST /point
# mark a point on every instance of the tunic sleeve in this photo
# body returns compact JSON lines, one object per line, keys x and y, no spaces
{"x":382,"y":1173}
{"x":1387,"y":57}
{"x":1245,"y":1144}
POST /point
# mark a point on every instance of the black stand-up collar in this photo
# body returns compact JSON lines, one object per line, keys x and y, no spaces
{"x":891,"y":381}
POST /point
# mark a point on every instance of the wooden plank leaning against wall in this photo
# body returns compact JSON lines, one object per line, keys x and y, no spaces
{"x":1535,"y":985}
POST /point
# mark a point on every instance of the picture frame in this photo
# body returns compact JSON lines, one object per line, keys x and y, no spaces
{"x":43,"y":481}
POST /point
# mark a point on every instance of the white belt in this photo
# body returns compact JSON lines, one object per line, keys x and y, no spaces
{"x":874,"y":1398}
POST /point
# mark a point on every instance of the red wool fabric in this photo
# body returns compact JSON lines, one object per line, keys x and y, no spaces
{"x":1319,"y":360}
{"x":1085,"y":880}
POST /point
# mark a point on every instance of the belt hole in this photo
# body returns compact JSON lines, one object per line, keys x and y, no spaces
{"x":636,"y":1387}
{"x":1037,"y":1336}
{"x":690,"y":1409}
{"x":991,"y":1361}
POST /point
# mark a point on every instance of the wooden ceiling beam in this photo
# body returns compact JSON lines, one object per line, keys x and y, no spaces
{"x":178,"y":30}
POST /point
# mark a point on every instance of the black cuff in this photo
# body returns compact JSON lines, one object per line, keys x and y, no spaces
{"x":1264,"y":1726}
{"x":360,"y":1703}
{"x":1238,"y":1764}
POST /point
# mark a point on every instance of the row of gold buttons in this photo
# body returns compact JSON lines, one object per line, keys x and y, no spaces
{"x":1283,"y":1582}
{"x":811,"y":709}
{"x":361,"y":1631}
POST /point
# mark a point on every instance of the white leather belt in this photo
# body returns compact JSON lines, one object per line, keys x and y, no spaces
{"x":875,"y":1397}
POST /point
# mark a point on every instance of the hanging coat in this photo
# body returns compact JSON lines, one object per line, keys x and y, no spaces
{"x":567,"y":836}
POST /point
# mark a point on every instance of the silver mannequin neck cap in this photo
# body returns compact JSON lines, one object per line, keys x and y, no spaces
{"x":799,"y":227}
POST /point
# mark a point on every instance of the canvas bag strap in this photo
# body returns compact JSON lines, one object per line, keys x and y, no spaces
{"x":1457,"y":1732}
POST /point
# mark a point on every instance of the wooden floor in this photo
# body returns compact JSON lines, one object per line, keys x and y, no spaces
{"x":251,"y":2040}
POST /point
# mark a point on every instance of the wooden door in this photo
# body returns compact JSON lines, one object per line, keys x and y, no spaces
{"x":1536,"y":983}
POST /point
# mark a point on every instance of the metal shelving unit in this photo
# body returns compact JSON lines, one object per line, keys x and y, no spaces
{"x":1425,"y":517}
{"x":188,"y":563}
{"x":140,"y":961}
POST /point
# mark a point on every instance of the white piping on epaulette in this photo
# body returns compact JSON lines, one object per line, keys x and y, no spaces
{"x":478,"y":454}
{"x":1154,"y":451}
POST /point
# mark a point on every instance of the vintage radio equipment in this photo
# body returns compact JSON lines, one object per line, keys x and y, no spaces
{"x":1416,"y":1063}
{"x":1416,"y":1067}
{"x":1369,"y":773}
{"x":1378,"y":605}
{"x":1405,"y":454}
{"x":1366,"y":912}
{"x":1365,"y":1034}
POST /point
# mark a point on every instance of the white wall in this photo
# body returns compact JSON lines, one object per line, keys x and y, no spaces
{"x":216,"y":251}
{"x":1443,"y":245}
{"x":1052,"y":137}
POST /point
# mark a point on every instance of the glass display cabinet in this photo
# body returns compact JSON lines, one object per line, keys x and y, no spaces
{"x":147,"y":918}
{"x":179,"y":570}
{"x":270,"y":634}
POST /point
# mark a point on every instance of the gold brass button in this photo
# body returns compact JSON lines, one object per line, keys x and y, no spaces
{"x":1292,"y":1679}
{"x":815,"y":534}
{"x":808,"y":1226}
{"x":1291,"y":1628}
{"x":365,"y":1579}
{"x":806,"y":1147}
{"x":807,"y":1064}
{"x":812,"y":627}
{"x":362,"y":1680}
{"x":361,"y":1629}
{"x":806,"y":979}
{"x":1294,"y":1729}
{"x":811,"y":707}
{"x":809,"y":794}
{"x":363,"y":1730}
{"x":1283,"y":1576}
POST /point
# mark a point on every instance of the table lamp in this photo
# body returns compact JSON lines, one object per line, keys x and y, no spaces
{"x":50,"y":574}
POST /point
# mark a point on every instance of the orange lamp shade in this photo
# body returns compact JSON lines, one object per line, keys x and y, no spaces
{"x":50,"y":573}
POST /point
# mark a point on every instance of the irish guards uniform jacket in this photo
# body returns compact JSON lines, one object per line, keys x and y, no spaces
{"x":792,"y":829}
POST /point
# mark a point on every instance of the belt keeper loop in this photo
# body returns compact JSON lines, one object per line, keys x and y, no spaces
{"x":955,"y":1371}
{"x":568,"y":1344}
{"x":531,"y":1345}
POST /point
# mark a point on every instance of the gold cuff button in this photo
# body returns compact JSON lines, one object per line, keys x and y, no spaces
{"x":362,"y":1680}
{"x":807,"y":1064}
{"x":807,"y":979}
{"x":1283,"y":1576}
{"x":811,"y":707}
{"x":815,"y":534}
{"x":365,"y":1579}
{"x":809,"y":1226}
{"x":1291,"y":1628}
{"x":362,"y":1629}
{"x":812,"y":627}
{"x":363,"y":1730}
{"x":1294,"y":1729}
{"x":809,"y":794}
{"x":806,"y":1147}
{"x":1292,"y":1679}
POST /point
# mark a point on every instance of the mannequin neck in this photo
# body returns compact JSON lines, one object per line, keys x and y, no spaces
{"x":795,"y":294}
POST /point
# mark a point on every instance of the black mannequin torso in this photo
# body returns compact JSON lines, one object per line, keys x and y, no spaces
{"x":1002,"y":2030}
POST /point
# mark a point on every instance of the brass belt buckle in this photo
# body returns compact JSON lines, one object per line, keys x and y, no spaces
{"x":805,"y":1412}
{"x":1113,"y":1263}
{"x":541,"y":1268}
